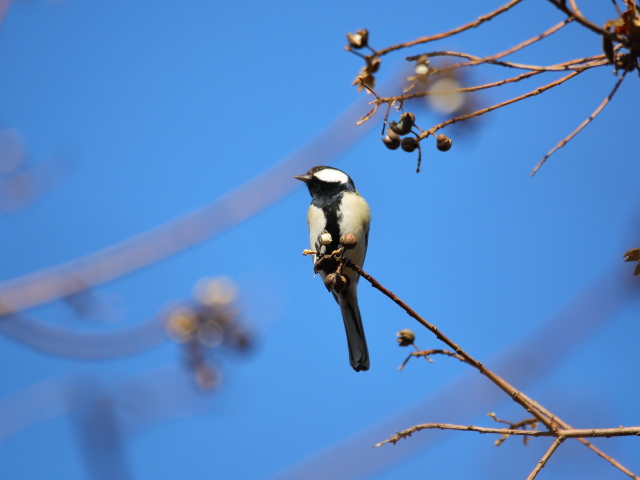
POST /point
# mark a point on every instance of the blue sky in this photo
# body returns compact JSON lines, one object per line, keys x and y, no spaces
{"x":145,"y":112}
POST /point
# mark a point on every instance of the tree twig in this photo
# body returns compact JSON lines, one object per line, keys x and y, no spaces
{"x":579,"y":128}
{"x":549,"y":420}
{"x":482,"y":111}
{"x":531,"y":40}
{"x":435,"y":351}
{"x":561,"y":5}
{"x":480,"y":20}
{"x":594,"y":59}
{"x":545,"y":458}
{"x":569,"y":433}
{"x":562,"y":424}
{"x":476,"y":60}
{"x":497,"y":380}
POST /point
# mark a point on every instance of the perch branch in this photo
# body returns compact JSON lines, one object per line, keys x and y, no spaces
{"x":549,"y":420}
{"x":497,"y":380}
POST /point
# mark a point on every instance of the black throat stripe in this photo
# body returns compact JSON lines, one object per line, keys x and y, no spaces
{"x":331,"y":210}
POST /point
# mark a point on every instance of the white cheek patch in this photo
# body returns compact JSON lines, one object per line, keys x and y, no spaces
{"x":331,"y":175}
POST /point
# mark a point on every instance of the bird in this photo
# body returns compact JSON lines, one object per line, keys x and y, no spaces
{"x":337,"y":208}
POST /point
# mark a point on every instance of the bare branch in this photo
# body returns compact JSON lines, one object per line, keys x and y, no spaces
{"x":586,"y":122}
{"x":475,"y":60}
{"x":564,"y":434}
{"x":545,"y":458}
{"x":425,"y":354}
{"x":497,"y":380}
{"x":595,"y":63}
{"x":449,"y":33}
{"x":549,"y":420}
{"x":585,"y":442}
{"x":482,"y":111}
{"x":560,"y":4}
{"x":531,"y":40}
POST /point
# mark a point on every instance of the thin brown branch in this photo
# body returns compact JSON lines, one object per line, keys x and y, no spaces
{"x":438,"y":351}
{"x":508,"y":51}
{"x":615,"y":5}
{"x":480,"y":20}
{"x":376,"y":103}
{"x":595,"y":60}
{"x":531,"y":40}
{"x":608,"y":458}
{"x":485,"y":86}
{"x":545,"y":417}
{"x":475,"y":60}
{"x":545,"y":458}
{"x":579,"y":128}
{"x":576,"y":10}
{"x":519,"y":424}
{"x":497,"y":380}
{"x":569,"y":433}
{"x":560,"y":4}
{"x":588,"y":444}
{"x":425,"y":354}
{"x":482,"y":111}
{"x":532,"y":423}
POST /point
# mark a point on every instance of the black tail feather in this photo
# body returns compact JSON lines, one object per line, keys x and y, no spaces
{"x":358,"y":352}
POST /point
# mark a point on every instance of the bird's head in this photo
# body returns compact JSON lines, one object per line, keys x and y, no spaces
{"x":325,"y":181}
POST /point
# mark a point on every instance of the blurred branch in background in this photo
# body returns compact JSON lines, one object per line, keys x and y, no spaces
{"x":21,"y":181}
{"x":207,"y":325}
{"x":69,"y":342}
{"x":154,"y":246}
{"x":526,"y":363}
{"x":137,"y":402}
{"x":620,"y":39}
{"x":4,"y":7}
{"x":202,"y":326}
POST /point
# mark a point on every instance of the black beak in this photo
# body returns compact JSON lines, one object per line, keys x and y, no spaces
{"x":303,"y":178}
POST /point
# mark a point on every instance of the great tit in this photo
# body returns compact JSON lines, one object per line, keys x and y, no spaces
{"x":337,"y":208}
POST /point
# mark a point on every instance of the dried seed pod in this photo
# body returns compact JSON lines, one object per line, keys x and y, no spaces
{"x":392,"y":143}
{"x":349,"y":240}
{"x":409,"y":144}
{"x":341,"y":283}
{"x":330,"y":281}
{"x":336,"y":282}
{"x":373,"y":63}
{"x":392,"y":134}
{"x":364,"y":78}
{"x":182,"y":324}
{"x":406,"y":337}
{"x":325,"y":264}
{"x":359,"y":39}
{"x":405,"y":124}
{"x":632,"y":255}
{"x":607,"y":48}
{"x":443,"y":143}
